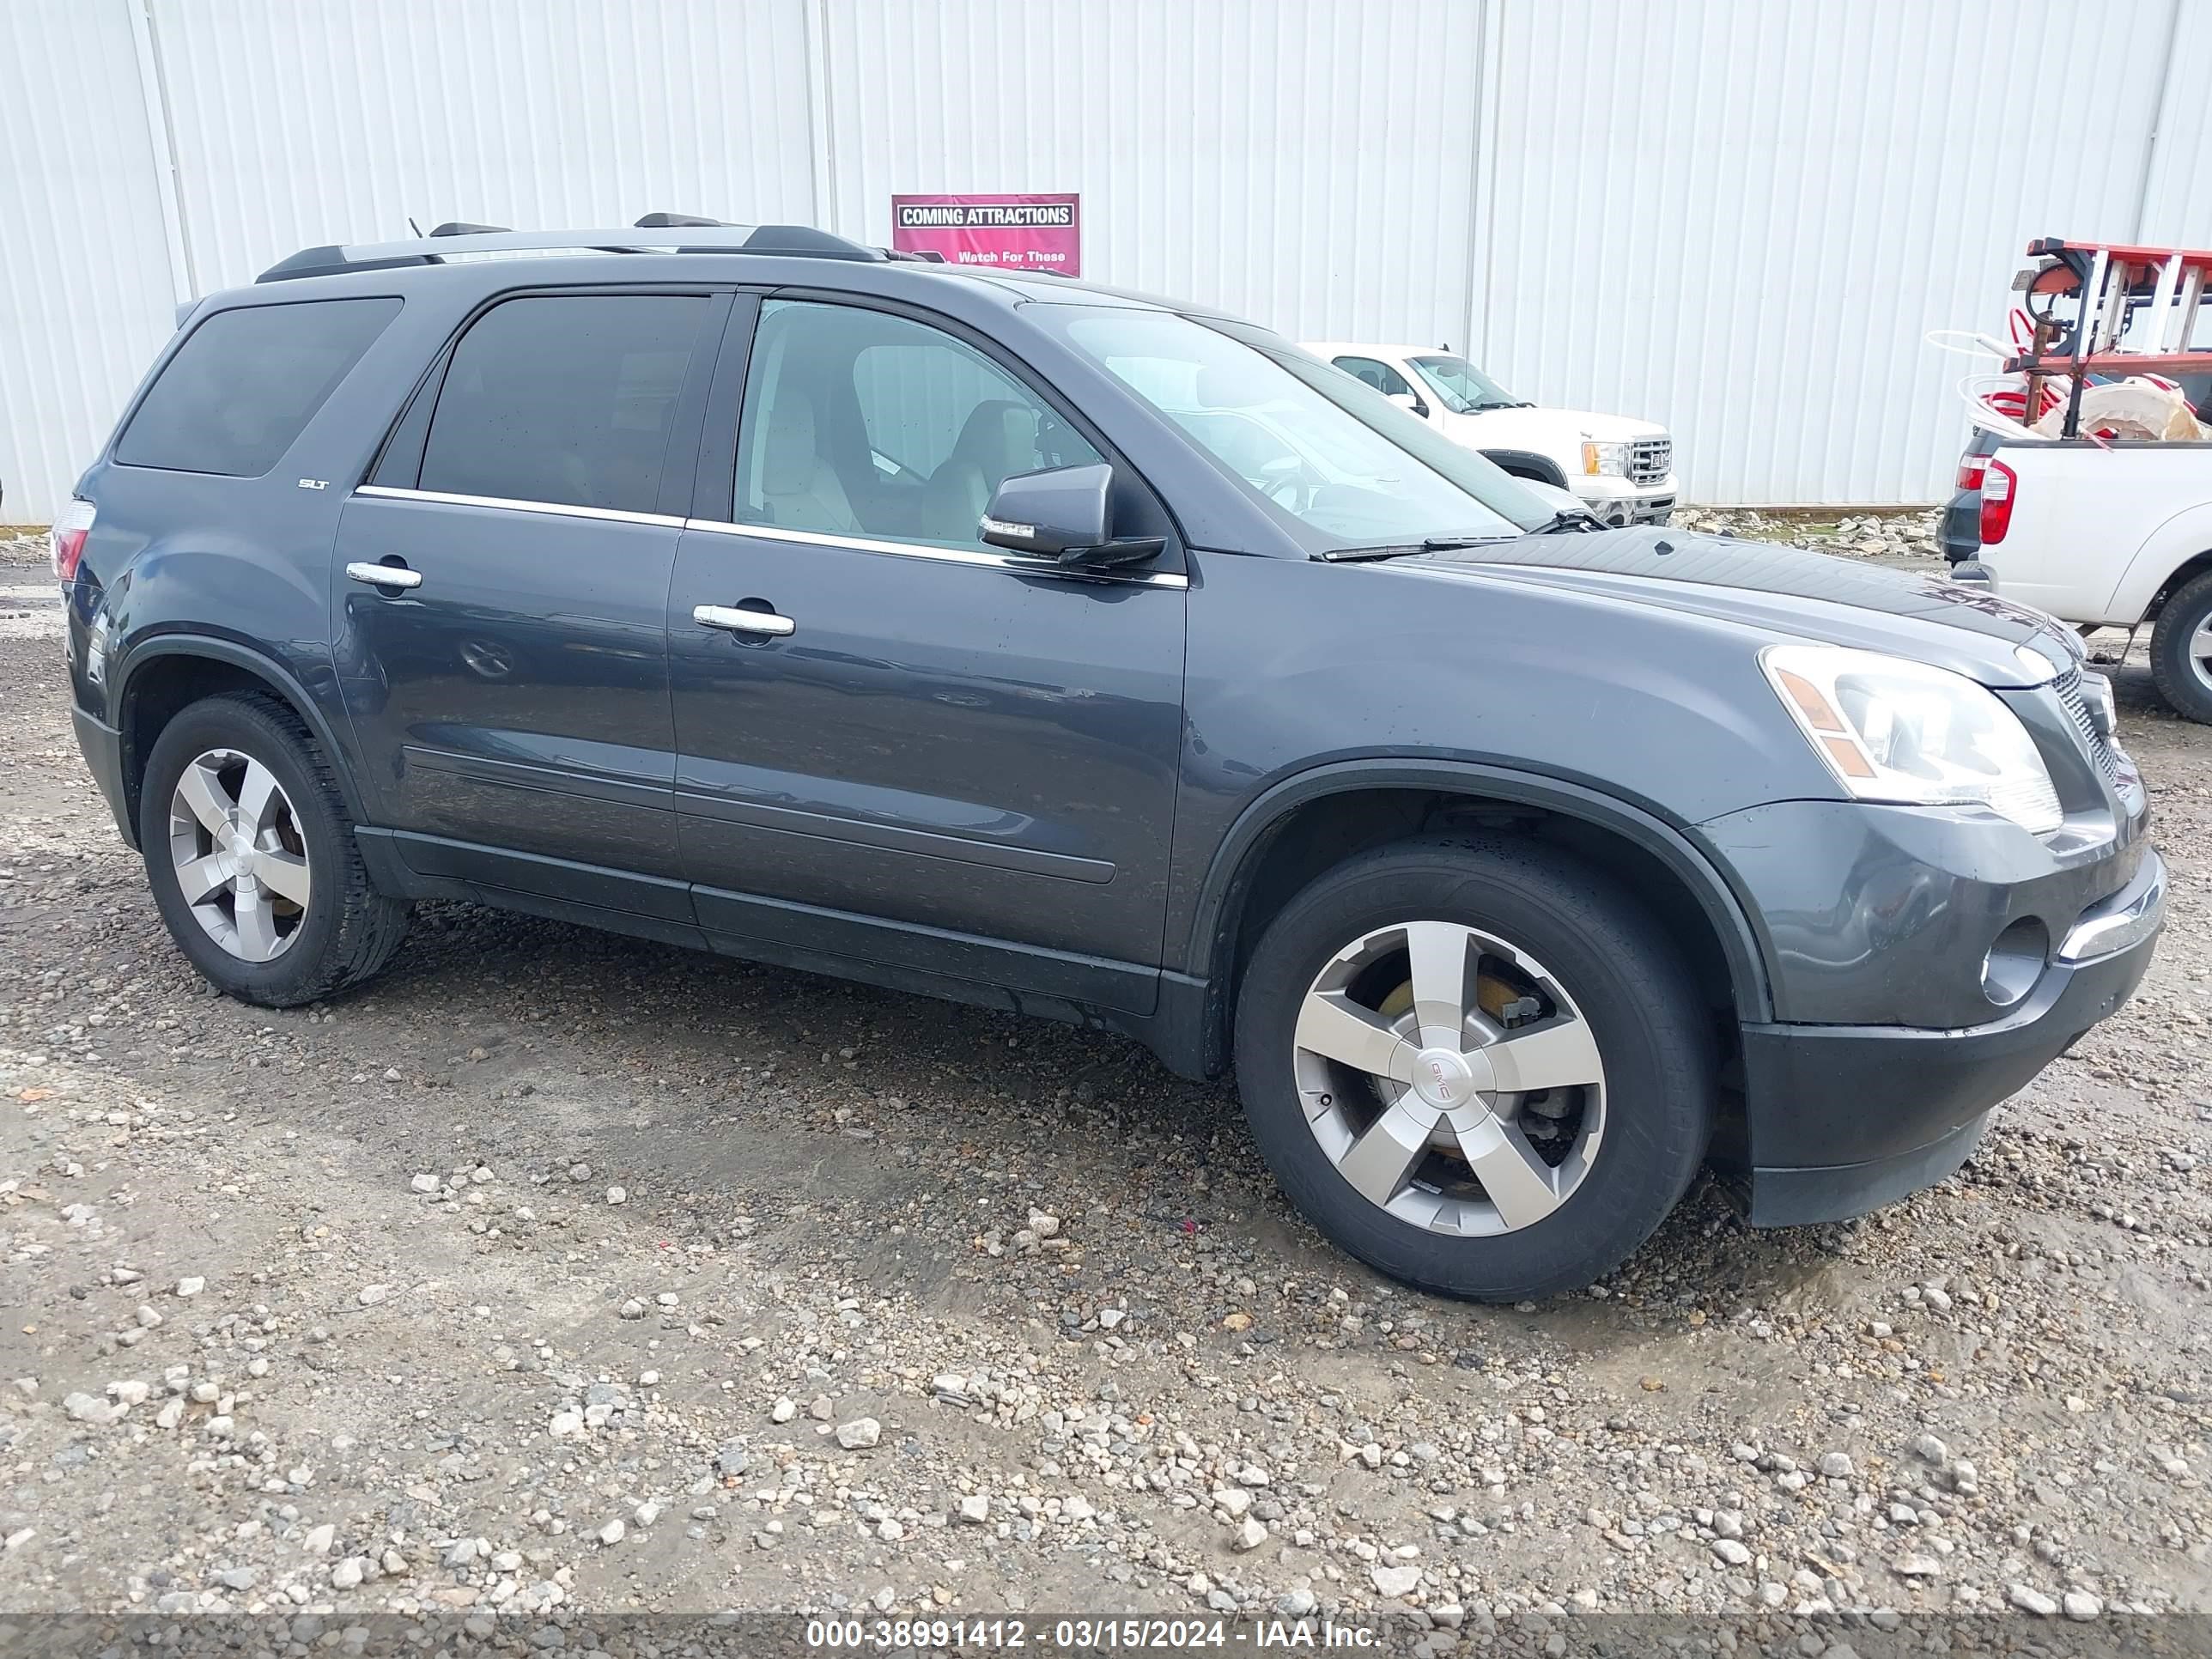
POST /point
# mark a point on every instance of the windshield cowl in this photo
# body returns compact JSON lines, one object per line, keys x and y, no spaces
{"x":1427,"y":544}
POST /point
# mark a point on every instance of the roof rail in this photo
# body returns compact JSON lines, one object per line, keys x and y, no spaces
{"x":657,"y":221}
{"x":698,"y":237}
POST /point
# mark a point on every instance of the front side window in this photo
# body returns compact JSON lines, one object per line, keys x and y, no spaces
{"x":564,"y":398}
{"x":245,"y":383}
{"x":858,"y":422}
{"x":1380,"y":375}
{"x":1463,"y":388}
{"x":1283,"y":425}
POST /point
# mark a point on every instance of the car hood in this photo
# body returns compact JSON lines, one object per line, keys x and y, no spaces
{"x":1778,"y":591}
{"x":1556,"y":431}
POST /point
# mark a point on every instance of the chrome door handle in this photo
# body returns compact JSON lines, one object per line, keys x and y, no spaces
{"x":385,"y":575}
{"x":737,"y":620}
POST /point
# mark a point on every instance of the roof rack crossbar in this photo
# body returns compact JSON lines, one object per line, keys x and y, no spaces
{"x":627,"y":239}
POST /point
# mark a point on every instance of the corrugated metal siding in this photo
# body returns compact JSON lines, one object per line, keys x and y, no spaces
{"x":300,"y":123}
{"x":1303,"y":163}
{"x":1741,"y":218}
{"x":1737,"y":217}
{"x":85,"y":293}
{"x":2177,"y":195}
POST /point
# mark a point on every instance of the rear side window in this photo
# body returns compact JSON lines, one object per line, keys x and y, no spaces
{"x":1383,"y":378}
{"x":246,"y":382}
{"x":567,"y":400}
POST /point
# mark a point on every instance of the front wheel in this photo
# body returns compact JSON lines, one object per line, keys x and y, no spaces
{"x":2181,"y":651}
{"x":1475,"y":1064}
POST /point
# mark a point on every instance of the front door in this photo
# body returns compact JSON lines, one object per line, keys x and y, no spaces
{"x":509,"y":683}
{"x":1386,"y":379}
{"x":923,"y":751}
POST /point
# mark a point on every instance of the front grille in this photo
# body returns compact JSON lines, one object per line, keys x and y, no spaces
{"x":2069,"y":688}
{"x":1650,"y":459}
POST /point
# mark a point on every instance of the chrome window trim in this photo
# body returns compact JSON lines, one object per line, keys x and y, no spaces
{"x":948,"y":555}
{"x":772,"y":532}
{"x":559,"y":510}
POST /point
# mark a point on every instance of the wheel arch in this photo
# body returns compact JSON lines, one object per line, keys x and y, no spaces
{"x":1349,"y":807}
{"x":2179,"y":551}
{"x":1528,"y":463}
{"x":166,"y":674}
{"x":2183,"y":573}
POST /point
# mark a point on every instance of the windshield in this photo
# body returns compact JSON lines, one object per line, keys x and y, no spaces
{"x":1462,"y":386}
{"x":1340,"y":468}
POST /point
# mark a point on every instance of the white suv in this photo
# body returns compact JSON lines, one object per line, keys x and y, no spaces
{"x":1622,"y":470}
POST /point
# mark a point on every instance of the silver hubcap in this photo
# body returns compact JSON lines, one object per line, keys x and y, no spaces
{"x":240,"y":861}
{"x":1449,"y":1078}
{"x":2200,"y":651}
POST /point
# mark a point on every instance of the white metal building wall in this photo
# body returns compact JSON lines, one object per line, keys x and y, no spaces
{"x":1739,"y":216}
{"x":1742,"y":219}
{"x":1303,"y":162}
{"x":85,"y":297}
{"x":2178,"y":187}
{"x":300,"y":123}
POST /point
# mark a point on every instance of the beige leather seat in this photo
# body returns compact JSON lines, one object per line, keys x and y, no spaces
{"x":999,"y":438}
{"x":798,"y":487}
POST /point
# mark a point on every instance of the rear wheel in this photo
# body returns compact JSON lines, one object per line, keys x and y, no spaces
{"x":1475,"y":1064}
{"x":2181,"y":650}
{"x":252,"y":859}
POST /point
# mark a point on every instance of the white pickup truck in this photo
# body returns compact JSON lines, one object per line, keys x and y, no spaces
{"x":1621,"y":470}
{"x":2115,"y":534}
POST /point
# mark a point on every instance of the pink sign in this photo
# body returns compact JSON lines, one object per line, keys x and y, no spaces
{"x":1021,"y":232}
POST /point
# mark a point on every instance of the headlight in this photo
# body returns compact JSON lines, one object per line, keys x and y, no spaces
{"x":1894,"y":730}
{"x":2104,"y":713}
{"x":1605,"y":457}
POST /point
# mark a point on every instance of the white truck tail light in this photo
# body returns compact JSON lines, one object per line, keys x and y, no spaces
{"x":1998,"y":484}
{"x":65,"y":541}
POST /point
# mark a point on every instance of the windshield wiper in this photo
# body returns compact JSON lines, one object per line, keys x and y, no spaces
{"x":1571,"y":519}
{"x":1407,"y":550}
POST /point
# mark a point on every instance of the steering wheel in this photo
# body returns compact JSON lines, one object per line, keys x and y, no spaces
{"x":1281,"y":479}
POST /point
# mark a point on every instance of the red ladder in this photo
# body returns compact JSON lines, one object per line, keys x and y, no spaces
{"x":2160,"y":291}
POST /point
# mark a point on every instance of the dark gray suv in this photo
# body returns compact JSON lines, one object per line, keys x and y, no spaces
{"x":1049,"y":647}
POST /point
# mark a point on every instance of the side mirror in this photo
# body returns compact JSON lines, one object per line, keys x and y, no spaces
{"x":1409,"y":400}
{"x":1061,"y":514}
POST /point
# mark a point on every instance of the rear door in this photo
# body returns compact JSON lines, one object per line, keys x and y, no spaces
{"x":508,"y":684}
{"x":942,"y":757}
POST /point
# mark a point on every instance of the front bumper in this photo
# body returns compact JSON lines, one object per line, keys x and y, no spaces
{"x":1617,"y":501}
{"x":1842,"y":1119}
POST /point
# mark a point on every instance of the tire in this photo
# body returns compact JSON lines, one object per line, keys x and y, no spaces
{"x":280,"y":952}
{"x":2184,"y":680}
{"x":1574,"y":950}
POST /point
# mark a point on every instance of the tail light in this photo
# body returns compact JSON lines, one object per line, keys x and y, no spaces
{"x":1998,"y":484}
{"x":1970,"y":468}
{"x":66,"y":539}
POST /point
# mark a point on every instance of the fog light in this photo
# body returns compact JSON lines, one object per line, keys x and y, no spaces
{"x":2015,"y":962}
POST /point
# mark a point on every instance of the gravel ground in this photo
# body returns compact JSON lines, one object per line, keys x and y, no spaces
{"x":563,"y":1275}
